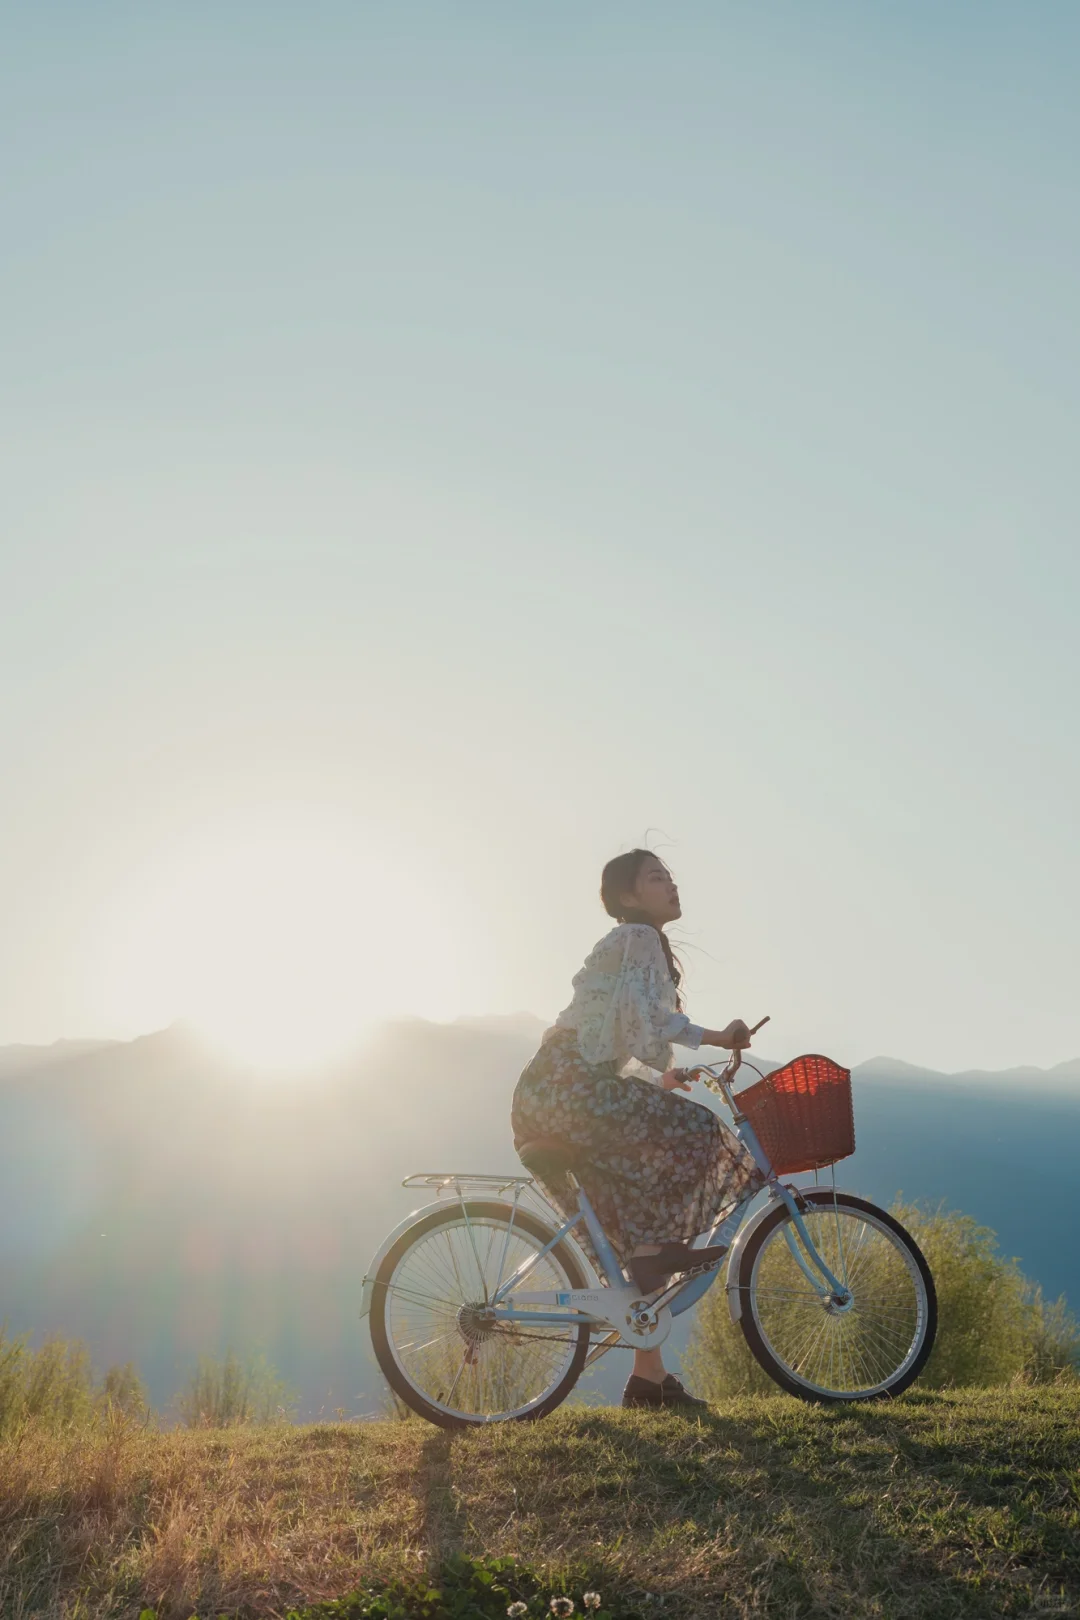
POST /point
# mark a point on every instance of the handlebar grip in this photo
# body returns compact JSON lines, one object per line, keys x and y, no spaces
{"x":760,"y":1023}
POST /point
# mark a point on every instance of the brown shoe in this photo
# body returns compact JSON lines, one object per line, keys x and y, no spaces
{"x":644,"y":1392}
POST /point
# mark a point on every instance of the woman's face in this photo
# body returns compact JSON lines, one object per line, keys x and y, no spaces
{"x":654,"y":893}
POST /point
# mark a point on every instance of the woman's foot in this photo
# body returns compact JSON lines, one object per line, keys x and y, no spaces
{"x":651,"y":1271}
{"x":646,"y":1392}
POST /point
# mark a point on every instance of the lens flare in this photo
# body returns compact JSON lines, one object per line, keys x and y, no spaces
{"x":280,"y":943}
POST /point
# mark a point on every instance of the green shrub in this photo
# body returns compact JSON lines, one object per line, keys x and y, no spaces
{"x":1053,"y":1349}
{"x":717,"y":1359}
{"x":122,"y":1391}
{"x":13,"y":1357}
{"x":993,"y":1324}
{"x":55,"y":1385}
{"x":221,"y":1394}
{"x":58,"y":1382}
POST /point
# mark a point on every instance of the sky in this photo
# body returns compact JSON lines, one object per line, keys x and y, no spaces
{"x":445,"y":446}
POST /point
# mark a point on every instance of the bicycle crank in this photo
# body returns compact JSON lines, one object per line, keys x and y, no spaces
{"x":645,"y":1325}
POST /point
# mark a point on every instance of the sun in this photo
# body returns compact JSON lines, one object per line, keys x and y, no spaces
{"x":281,"y":942}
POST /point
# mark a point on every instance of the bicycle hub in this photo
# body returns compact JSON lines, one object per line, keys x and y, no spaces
{"x":475,"y":1323}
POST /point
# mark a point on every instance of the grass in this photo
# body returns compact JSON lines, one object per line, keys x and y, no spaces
{"x":938,"y":1505}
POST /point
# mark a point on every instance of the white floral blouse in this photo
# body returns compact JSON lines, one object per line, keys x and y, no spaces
{"x":624,"y":1011}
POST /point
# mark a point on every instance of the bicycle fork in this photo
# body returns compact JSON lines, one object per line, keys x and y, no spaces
{"x":833,"y":1287}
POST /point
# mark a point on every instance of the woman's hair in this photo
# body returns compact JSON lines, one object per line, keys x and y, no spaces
{"x":618,"y":878}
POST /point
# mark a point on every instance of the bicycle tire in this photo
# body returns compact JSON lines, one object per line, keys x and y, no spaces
{"x":757,"y":1340}
{"x":392,"y":1371}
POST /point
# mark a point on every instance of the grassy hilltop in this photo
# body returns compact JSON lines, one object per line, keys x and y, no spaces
{"x":959,"y":1504}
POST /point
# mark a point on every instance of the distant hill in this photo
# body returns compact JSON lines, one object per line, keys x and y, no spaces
{"x":160,"y":1202}
{"x":1061,"y":1074}
{"x":22,"y":1058}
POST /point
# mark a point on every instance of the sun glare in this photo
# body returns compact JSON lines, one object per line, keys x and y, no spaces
{"x":281,"y":945}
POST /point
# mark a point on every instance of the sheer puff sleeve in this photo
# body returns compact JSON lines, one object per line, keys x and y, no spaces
{"x":625,"y":1004}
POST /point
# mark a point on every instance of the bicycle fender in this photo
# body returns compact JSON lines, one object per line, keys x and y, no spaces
{"x":734,"y":1293}
{"x":381,"y":1253}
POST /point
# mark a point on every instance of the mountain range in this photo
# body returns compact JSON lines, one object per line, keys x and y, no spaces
{"x":159,"y":1201}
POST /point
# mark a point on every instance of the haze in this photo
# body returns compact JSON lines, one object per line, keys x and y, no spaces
{"x":443,"y":447}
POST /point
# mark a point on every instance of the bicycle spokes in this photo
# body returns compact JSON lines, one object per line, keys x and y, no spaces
{"x":446,"y":1339}
{"x":846,"y":1343}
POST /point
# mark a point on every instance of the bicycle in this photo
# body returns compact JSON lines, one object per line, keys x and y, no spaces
{"x":482,"y":1310}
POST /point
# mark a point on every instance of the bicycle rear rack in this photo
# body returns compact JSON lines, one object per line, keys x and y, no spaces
{"x":456,"y":1181}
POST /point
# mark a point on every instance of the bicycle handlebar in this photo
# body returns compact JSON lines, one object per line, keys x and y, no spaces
{"x":735,"y":1060}
{"x":731,"y":1068}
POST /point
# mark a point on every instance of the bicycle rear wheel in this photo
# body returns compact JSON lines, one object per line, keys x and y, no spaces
{"x":866,"y":1349}
{"x":428,"y":1329}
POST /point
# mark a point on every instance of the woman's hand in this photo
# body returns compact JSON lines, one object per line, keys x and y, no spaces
{"x":735,"y":1037}
{"x":675,"y":1080}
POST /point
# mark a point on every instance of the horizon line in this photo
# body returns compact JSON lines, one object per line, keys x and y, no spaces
{"x":90,"y":1044}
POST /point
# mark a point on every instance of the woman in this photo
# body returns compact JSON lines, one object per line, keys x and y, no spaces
{"x":659,"y":1168}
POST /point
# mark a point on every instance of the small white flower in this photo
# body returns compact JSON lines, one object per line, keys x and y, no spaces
{"x":516,"y":1610}
{"x":562,"y":1606}
{"x":591,"y":1600}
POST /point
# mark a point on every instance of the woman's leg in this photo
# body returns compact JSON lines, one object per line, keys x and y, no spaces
{"x":659,"y":1168}
{"x":649,"y":1364}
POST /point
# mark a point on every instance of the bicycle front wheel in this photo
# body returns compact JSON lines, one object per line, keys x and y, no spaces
{"x":436,"y":1346}
{"x":866,"y":1346}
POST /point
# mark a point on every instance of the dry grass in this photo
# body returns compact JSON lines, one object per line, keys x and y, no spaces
{"x":936,"y":1506}
{"x":250,"y":1520}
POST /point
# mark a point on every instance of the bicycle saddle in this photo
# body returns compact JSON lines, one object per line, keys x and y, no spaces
{"x":550,"y":1157}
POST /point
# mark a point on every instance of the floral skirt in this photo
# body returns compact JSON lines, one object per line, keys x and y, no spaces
{"x":658,"y":1168}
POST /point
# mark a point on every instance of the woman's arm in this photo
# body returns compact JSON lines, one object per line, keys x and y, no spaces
{"x":643,"y":1018}
{"x":679,"y":1029}
{"x":734,"y":1037}
{"x":640,"y":1022}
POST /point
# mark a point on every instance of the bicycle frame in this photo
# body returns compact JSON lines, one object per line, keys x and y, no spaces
{"x":617,"y":1305}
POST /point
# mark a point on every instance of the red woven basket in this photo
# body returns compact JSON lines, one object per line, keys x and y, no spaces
{"x":801,"y":1114}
